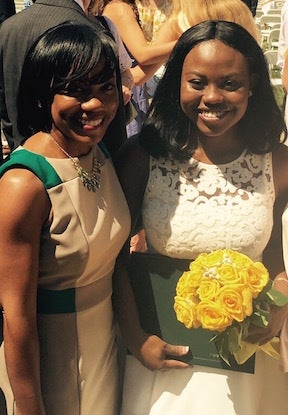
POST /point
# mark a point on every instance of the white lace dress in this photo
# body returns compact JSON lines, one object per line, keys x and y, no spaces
{"x":191,"y":208}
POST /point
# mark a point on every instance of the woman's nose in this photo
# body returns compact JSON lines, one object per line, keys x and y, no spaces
{"x":213,"y":94}
{"x":92,"y":103}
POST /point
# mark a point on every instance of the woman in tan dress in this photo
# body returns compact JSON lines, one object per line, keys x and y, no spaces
{"x":68,"y":223}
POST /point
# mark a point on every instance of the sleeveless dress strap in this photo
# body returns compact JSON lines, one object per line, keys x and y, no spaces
{"x":36,"y":163}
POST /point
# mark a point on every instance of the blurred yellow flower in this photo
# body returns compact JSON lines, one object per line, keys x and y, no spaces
{"x":208,"y":289}
{"x":225,"y":291}
{"x":211,"y":314}
{"x":258,"y":278}
{"x":222,"y":285}
{"x":236,"y":301}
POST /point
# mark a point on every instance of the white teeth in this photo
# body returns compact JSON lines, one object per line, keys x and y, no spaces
{"x":92,"y":123}
{"x":210,"y":114}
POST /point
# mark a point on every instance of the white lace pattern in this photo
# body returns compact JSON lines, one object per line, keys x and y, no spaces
{"x":195,"y":207}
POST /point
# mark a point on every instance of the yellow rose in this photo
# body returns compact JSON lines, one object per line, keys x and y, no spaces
{"x":236,"y":300}
{"x":194,"y":276}
{"x":238,"y":258}
{"x":229,"y":274}
{"x":213,"y":259}
{"x":186,"y":285}
{"x":218,"y":289}
{"x":185,"y":311}
{"x":257,"y":278}
{"x":212,"y":316}
{"x":208,"y":289}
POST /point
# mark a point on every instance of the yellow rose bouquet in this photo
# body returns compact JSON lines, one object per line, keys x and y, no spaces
{"x":225,"y":291}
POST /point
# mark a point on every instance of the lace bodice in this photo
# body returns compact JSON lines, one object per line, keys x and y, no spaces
{"x":194,"y":207}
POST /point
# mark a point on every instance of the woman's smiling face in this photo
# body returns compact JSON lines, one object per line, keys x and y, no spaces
{"x":83,"y":111}
{"x":215,"y":88}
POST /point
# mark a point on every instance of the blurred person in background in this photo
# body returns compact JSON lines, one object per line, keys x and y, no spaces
{"x":138,"y":22}
{"x":185,"y":16}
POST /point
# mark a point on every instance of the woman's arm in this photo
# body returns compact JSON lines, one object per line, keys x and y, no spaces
{"x":125,"y":20}
{"x":149,"y":349}
{"x":167,"y":32}
{"x":142,"y":73}
{"x":127,"y":85}
{"x":133,"y":168}
{"x":273,"y":253}
{"x":285,"y":71}
{"x":24,"y":207}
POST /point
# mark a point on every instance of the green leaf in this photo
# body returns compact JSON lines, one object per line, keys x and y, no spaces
{"x":224,"y":351}
{"x":263,"y":293}
{"x":264,"y":304}
{"x":244,"y":327}
{"x":221,"y":343}
{"x":233,"y":337}
{"x":277,"y":298}
{"x":260,"y":318}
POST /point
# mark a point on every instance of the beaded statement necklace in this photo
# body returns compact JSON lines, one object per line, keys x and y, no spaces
{"x":90,"y":181}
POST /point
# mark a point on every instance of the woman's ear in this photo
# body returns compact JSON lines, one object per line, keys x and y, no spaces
{"x":252,"y":83}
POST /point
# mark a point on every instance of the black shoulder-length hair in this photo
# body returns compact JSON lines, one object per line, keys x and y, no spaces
{"x":63,"y":54}
{"x":168,"y":132}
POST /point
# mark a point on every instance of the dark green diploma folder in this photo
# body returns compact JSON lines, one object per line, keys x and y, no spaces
{"x":154,"y":278}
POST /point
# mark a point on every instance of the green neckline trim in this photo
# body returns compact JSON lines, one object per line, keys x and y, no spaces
{"x":36,"y":163}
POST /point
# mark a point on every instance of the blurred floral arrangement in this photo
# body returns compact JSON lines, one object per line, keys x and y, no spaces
{"x":225,"y":291}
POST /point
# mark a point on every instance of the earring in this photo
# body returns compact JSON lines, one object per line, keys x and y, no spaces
{"x":250,"y":93}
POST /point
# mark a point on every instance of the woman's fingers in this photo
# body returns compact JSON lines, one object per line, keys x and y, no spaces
{"x":173,"y":350}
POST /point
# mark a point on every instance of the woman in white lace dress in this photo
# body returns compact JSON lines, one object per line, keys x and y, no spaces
{"x":205,"y":173}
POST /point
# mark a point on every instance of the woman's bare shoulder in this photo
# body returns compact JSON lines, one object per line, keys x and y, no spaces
{"x":23,"y":195}
{"x":118,"y":9}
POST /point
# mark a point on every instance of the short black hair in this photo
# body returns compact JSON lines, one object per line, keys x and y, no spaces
{"x":252,"y":4}
{"x":166,"y":129}
{"x":63,"y":54}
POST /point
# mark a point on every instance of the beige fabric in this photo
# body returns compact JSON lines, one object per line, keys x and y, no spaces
{"x":284,"y":347}
{"x":79,"y":244}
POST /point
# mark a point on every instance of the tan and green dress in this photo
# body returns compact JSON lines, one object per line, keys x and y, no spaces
{"x":79,"y":244}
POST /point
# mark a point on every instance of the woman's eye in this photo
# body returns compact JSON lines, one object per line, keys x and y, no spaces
{"x":196,"y":84}
{"x":108,"y":86}
{"x":72,"y":91}
{"x":231,"y":85}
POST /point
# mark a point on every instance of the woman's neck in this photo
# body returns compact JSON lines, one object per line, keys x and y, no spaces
{"x":212,"y":150}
